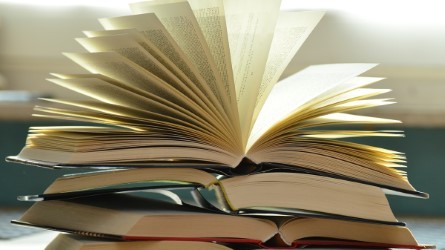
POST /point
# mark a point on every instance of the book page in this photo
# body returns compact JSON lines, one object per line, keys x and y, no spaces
{"x":293,"y":28}
{"x":159,"y":39}
{"x":127,"y":47}
{"x":211,"y":18}
{"x":344,"y":159}
{"x":250,"y":28}
{"x":124,"y":45}
{"x":131,"y":75}
{"x":159,"y":109}
{"x":179,"y":20}
{"x":339,"y":102}
{"x":158,"y":121}
{"x":301,"y":88}
{"x":354,"y":94}
{"x":141,"y":38}
{"x":109,"y":93}
{"x":153,"y":30}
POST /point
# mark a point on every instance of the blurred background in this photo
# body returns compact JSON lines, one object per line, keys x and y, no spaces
{"x":406,"y":38}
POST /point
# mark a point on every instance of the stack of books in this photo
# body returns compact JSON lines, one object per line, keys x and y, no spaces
{"x":200,"y":146}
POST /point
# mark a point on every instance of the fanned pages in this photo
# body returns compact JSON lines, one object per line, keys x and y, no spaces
{"x":195,"y":84}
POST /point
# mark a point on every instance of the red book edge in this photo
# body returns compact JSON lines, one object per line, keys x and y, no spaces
{"x":296,"y":244}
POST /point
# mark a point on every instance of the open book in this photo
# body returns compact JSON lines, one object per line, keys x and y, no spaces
{"x":195,"y":84}
{"x":291,"y":194}
{"x":147,"y":219}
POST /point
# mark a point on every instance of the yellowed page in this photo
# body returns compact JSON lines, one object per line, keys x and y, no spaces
{"x":156,"y":33}
{"x":338,"y":134}
{"x":250,"y":28}
{"x":179,"y":20}
{"x":127,"y":47}
{"x":169,"y":122}
{"x":331,"y":156}
{"x":159,"y":40}
{"x":301,"y":88}
{"x":153,"y":132}
{"x":293,"y":28}
{"x":208,"y":101}
{"x":211,"y":19}
{"x":349,"y":118}
{"x":210,"y":16}
{"x":136,"y":78}
{"x":141,"y":37}
{"x":117,"y":95}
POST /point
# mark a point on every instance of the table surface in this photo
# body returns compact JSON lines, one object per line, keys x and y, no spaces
{"x":429,"y":230}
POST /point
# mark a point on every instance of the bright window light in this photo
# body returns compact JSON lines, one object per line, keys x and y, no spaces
{"x":61,"y":3}
{"x":418,"y":12}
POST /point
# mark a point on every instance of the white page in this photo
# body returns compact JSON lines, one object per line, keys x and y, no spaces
{"x":301,"y":88}
{"x":293,"y":28}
